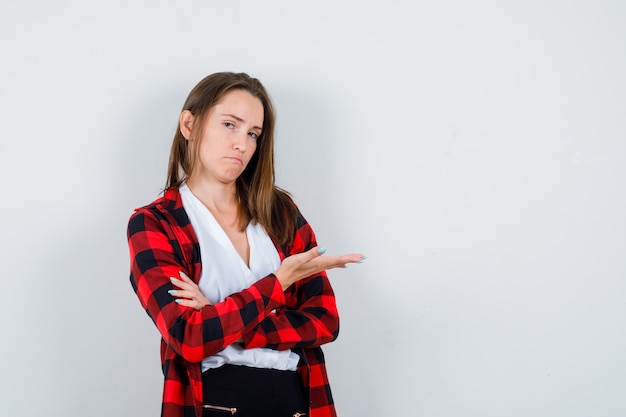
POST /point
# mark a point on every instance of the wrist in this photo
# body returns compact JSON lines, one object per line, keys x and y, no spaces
{"x":284,"y":282}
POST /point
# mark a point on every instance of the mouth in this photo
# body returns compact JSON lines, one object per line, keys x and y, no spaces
{"x":234,"y":159}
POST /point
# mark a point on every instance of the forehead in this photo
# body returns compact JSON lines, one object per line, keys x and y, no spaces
{"x":241,"y":104}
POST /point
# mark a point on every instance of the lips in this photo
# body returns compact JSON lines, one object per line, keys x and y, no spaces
{"x":235,"y":159}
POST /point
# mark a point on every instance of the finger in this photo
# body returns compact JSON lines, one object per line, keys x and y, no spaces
{"x":349,"y":258}
{"x":187,"y":303}
{"x":183,"y":302}
{"x":300,"y":259}
{"x":178,"y":283}
{"x":185,"y":278}
{"x":340,"y":259}
{"x":182,"y":294}
{"x":330,"y":262}
{"x":184,"y":281}
{"x":316,"y":251}
{"x":196,"y":305}
{"x":355,"y":257}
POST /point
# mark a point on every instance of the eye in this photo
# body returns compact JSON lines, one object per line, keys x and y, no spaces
{"x":229,"y":125}
{"x":253,"y":135}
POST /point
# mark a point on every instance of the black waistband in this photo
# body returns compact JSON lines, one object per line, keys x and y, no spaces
{"x":239,"y":375}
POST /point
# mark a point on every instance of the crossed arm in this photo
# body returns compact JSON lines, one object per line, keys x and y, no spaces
{"x":293,"y":307}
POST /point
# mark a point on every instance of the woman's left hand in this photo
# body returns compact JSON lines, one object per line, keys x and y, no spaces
{"x":188,"y":293}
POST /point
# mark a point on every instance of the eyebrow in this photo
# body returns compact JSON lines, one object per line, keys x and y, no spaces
{"x":239,"y":119}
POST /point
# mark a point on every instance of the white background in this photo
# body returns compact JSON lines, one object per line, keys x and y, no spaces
{"x":473,"y":150}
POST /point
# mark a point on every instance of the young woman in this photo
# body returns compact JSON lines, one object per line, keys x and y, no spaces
{"x":229,"y":270}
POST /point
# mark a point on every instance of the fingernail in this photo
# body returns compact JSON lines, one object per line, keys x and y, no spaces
{"x":360,"y":261}
{"x":182,"y":274}
{"x":174,"y":279}
{"x":172,"y":292}
{"x":179,"y":300}
{"x":321,"y":250}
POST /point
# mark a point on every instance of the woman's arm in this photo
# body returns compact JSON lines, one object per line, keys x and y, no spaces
{"x":156,"y":254}
{"x":309,"y":317}
{"x":314,"y":315}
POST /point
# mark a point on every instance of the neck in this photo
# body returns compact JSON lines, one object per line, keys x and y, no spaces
{"x":216,"y":196}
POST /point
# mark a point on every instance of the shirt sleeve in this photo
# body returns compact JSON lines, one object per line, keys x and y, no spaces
{"x":157,"y":253}
{"x":309,"y":317}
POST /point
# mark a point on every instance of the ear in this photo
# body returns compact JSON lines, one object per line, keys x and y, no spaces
{"x":186,"y":123}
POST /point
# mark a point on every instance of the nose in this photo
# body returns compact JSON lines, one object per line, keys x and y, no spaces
{"x":241,"y":143}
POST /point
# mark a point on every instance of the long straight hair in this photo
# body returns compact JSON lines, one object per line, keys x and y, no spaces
{"x":260,"y":200}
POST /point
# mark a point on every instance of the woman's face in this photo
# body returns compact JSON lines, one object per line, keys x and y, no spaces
{"x":231,"y":129}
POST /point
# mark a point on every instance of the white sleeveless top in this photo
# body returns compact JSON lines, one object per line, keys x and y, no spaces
{"x":224,"y":273}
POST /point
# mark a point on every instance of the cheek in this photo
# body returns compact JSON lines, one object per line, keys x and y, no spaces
{"x":252,"y":151}
{"x":253,"y":147}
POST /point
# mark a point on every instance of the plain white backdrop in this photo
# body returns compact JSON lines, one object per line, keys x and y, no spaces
{"x":475,"y":151}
